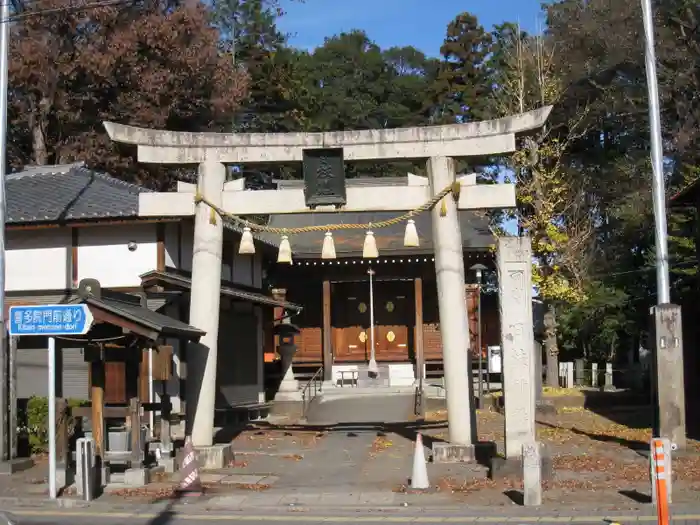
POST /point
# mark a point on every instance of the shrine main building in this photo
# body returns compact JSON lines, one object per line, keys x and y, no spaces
{"x":340,"y":305}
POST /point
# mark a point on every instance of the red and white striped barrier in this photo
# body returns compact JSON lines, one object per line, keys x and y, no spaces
{"x":191,"y":484}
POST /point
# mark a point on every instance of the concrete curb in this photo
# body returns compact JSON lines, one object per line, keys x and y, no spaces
{"x":185,"y":507}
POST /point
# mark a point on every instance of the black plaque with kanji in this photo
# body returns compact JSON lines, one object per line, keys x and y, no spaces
{"x":324,"y":177}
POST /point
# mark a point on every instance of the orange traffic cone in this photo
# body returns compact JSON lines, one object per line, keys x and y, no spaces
{"x":191,"y":484}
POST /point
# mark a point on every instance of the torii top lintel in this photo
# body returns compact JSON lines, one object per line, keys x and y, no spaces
{"x":453,"y":140}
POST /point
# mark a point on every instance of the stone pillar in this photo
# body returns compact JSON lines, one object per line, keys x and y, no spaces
{"x":517,"y":339}
{"x":569,"y":374}
{"x":609,"y":376}
{"x":205,"y":299}
{"x":537,"y":368}
{"x":532,"y":474}
{"x":452,"y":305}
{"x":580,"y":372}
{"x":594,"y":375}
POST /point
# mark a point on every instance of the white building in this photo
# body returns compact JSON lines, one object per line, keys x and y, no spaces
{"x":67,"y":223}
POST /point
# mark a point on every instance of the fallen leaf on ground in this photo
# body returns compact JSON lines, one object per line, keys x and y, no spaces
{"x":611,"y":468}
{"x":381,"y":443}
{"x":250,"y":486}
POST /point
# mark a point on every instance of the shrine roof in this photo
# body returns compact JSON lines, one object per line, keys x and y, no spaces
{"x":68,"y":192}
{"x":476,"y":233}
{"x":154,"y":321}
{"x":234,"y":291}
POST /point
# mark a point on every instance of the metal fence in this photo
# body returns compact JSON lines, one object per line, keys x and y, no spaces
{"x":580,"y":374}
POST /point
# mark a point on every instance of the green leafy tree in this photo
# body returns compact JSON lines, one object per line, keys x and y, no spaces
{"x":551,"y":208}
{"x":462,"y":87}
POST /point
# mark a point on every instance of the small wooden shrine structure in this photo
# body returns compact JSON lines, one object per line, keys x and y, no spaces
{"x":116,"y":347}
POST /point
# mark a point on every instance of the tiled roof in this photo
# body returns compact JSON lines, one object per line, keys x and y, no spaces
{"x":71,"y":192}
{"x":136,"y":313}
{"x":56,"y":194}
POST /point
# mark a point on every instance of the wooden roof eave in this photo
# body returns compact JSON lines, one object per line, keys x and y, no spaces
{"x":133,"y":324}
{"x":85,"y":223}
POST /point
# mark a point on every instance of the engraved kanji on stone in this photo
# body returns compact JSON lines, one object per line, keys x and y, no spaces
{"x":324,"y":174}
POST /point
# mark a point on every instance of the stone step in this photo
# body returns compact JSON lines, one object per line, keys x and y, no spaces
{"x":371,"y":407}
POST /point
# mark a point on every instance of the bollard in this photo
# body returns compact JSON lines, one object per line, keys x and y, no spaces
{"x":661,"y":477}
{"x":85,"y":471}
{"x":532,"y":474}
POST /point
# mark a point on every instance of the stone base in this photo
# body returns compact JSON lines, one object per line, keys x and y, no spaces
{"x":136,"y":477}
{"x":168,"y":463}
{"x":290,"y":409}
{"x":214,"y":457}
{"x":513,"y":468}
{"x":289,"y":395}
{"x":15,"y":465}
{"x":105,"y":476}
{"x":64,"y":476}
{"x":449,"y":453}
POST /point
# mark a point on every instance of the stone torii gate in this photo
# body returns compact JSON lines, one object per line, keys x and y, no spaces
{"x":438,"y":144}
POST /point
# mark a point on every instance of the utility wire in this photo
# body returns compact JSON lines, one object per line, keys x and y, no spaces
{"x":66,"y":9}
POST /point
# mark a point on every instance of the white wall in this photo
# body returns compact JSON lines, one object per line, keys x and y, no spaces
{"x":41,"y":259}
{"x":241,"y":269}
{"x":172,"y":245}
{"x":103,"y":253}
{"x":38,"y":259}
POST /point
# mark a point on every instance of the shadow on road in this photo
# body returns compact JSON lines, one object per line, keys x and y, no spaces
{"x":169,"y":513}
{"x":629,"y":443}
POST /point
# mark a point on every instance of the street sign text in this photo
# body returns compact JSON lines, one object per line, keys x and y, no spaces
{"x":49,"y":320}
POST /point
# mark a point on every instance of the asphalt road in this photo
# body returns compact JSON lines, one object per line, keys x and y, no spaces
{"x":54,"y":517}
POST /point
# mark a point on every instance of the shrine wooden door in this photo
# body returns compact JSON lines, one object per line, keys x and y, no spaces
{"x":350,"y":321}
{"x":393,"y":314}
{"x":393,"y":319}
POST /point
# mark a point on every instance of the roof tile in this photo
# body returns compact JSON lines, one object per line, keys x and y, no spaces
{"x":68,"y":192}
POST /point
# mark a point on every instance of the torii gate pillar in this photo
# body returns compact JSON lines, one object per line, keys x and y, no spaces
{"x":205,"y":300}
{"x":438,"y":144}
{"x":452,"y":307}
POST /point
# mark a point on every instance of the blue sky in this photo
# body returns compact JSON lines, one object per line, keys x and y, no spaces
{"x":420,"y":23}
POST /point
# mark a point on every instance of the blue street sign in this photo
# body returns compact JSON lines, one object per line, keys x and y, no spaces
{"x":57,"y":319}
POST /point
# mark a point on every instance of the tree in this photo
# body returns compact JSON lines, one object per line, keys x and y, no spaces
{"x":462,"y":86}
{"x":600,"y":59}
{"x":551,"y":207}
{"x":412,"y":74}
{"x":249,"y":35}
{"x":71,"y":70}
{"x":352,"y":84}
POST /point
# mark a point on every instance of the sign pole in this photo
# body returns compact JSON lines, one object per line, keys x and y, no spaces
{"x":52,"y":417}
{"x":50,"y":321}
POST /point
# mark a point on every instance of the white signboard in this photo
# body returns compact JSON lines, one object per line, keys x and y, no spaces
{"x":495,"y":360}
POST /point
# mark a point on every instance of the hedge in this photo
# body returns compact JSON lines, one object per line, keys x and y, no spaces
{"x":36,"y":422}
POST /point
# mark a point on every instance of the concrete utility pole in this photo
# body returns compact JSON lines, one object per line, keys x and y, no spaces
{"x":657,"y":160}
{"x":667,"y":374}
